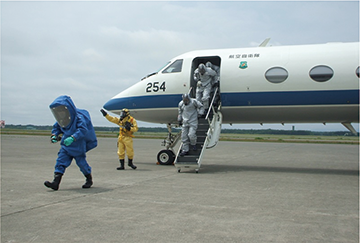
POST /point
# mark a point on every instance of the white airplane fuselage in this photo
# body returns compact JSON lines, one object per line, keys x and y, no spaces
{"x":280,"y":84}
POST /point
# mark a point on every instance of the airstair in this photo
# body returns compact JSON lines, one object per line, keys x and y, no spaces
{"x":208,"y":133}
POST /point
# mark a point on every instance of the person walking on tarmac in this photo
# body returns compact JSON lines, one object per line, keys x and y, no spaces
{"x":189,"y":110}
{"x":78,"y":137}
{"x":127,"y":126}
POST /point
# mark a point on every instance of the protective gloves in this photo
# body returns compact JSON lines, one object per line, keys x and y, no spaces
{"x":127,"y":126}
{"x":180,"y":120}
{"x":68,"y":141}
{"x":103,"y":112}
{"x":54,"y":139}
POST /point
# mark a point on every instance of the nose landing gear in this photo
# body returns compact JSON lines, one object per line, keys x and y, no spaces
{"x":167,"y":156}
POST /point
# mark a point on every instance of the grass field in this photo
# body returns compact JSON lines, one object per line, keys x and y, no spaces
{"x":291,"y":138}
{"x":223,"y":137}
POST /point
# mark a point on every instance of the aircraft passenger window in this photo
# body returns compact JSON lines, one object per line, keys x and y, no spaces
{"x":358,"y":72}
{"x":276,"y":75}
{"x":175,"y":67}
{"x":321,"y":73}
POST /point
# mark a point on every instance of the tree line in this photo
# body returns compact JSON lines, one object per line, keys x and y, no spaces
{"x":227,"y":131}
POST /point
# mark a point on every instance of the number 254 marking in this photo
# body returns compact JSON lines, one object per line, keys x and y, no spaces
{"x":154,"y":87}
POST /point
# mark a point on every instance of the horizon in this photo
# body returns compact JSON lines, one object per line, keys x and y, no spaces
{"x":293,"y":128}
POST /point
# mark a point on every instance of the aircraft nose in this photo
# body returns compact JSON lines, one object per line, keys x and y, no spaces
{"x":113,"y":104}
{"x":118,"y":103}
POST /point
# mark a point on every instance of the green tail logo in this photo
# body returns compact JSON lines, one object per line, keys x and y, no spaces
{"x":243,"y":65}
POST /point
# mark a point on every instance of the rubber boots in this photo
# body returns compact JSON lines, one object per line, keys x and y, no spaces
{"x":55,"y":184}
{"x":88,"y":182}
{"x":130,"y":163}
{"x":122,"y":162}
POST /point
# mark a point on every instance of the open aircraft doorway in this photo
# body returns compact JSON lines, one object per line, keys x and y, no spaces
{"x":215,"y":60}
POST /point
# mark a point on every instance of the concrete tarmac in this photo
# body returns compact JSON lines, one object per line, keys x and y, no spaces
{"x":244,"y":192}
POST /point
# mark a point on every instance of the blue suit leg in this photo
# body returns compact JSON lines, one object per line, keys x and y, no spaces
{"x":63,"y":161}
{"x":83,"y":164}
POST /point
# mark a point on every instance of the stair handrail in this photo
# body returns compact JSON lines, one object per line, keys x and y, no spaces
{"x":190,"y":91}
{"x":212,"y":102}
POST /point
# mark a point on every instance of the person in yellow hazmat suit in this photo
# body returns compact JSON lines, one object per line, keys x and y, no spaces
{"x":127,"y":126}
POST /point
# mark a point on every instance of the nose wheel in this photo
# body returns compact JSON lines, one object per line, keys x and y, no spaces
{"x":166,"y":157}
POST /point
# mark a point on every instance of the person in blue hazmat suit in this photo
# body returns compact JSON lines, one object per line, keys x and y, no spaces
{"x":189,"y":109}
{"x":204,"y":76}
{"x":78,"y":137}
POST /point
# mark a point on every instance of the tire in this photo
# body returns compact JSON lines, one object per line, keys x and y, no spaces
{"x":166,"y":157}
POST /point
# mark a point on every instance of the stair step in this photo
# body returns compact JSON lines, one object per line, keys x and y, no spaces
{"x":203,"y":122}
{"x":203,"y":127}
{"x":188,"y":159}
{"x":187,"y":163}
{"x":201,"y":133}
{"x":204,"y":130}
{"x":194,"y":153}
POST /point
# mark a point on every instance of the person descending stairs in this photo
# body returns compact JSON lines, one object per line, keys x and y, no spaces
{"x":189,"y":110}
{"x":207,"y":135}
{"x":191,"y":159}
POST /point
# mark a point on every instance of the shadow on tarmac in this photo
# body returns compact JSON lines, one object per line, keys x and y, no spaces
{"x":213,"y":169}
{"x":93,"y":190}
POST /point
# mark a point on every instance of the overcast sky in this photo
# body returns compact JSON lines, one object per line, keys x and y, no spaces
{"x":93,"y":50}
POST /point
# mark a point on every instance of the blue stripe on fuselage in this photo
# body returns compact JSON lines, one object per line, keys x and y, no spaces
{"x":328,"y":97}
{"x":285,"y":98}
{"x":144,"y":102}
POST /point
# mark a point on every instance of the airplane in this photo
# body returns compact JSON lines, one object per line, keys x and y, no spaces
{"x":316,"y":83}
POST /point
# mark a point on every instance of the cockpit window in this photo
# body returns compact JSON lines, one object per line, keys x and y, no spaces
{"x":163,"y":66}
{"x":175,"y":67}
{"x":151,"y":74}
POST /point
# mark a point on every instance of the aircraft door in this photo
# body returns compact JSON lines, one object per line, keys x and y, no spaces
{"x":214,"y":62}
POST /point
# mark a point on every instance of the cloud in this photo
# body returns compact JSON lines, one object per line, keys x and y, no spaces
{"x":92,"y":56}
{"x":93,"y":50}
